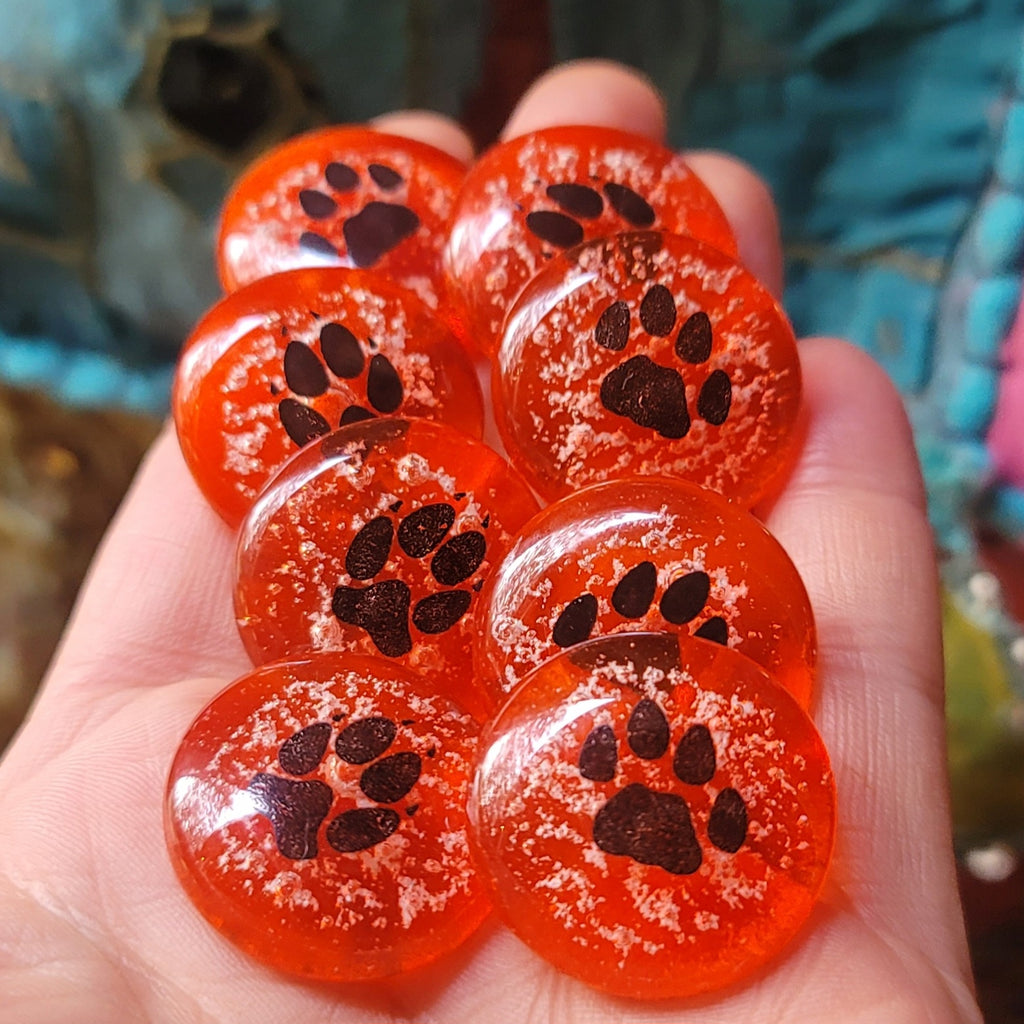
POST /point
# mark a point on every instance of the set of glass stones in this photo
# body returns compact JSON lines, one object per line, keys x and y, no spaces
{"x":591,"y":718}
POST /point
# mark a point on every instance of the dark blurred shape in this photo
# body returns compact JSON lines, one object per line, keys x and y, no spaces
{"x":995,"y":926}
{"x":223,"y":94}
{"x":516,"y":50}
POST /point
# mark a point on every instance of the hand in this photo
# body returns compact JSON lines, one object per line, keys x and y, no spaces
{"x":95,"y":928}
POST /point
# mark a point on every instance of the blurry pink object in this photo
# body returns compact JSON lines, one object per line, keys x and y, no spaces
{"x":1006,"y":437}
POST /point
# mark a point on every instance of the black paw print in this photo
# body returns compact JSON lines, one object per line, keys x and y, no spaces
{"x":649,"y":826}
{"x":562,"y":228}
{"x":651,"y":395}
{"x":307,"y":375}
{"x":382,"y":608}
{"x":296,"y":807}
{"x":683,"y":601}
{"x":369,"y":234}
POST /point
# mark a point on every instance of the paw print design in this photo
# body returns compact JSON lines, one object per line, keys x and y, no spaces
{"x":309,"y":376}
{"x":344,"y":195}
{"x":683,"y":601}
{"x":562,"y":229}
{"x":382,"y":607}
{"x":369,"y":234}
{"x":647,"y":353}
{"x":654,"y":827}
{"x":297,"y":807}
{"x":651,"y":395}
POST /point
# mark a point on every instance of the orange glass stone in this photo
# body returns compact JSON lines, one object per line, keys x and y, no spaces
{"x":533,"y":197}
{"x":655,"y":815}
{"x":315,"y":815}
{"x":377,"y":539}
{"x":648,"y":355}
{"x":291,"y":357}
{"x":344,"y":196}
{"x":645,"y":554}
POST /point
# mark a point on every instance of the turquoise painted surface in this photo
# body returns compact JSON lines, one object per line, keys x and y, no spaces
{"x":110,"y":181}
{"x":893,"y":136}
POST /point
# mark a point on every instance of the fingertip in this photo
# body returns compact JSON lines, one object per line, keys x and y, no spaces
{"x":429,"y":127}
{"x":592,"y":92}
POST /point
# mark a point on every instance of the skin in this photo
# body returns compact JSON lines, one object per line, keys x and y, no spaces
{"x":93,"y":924}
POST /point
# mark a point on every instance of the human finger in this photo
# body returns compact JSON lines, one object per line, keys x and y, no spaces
{"x":853,"y":518}
{"x":429,"y":127}
{"x":748,"y":204}
{"x":592,"y":92}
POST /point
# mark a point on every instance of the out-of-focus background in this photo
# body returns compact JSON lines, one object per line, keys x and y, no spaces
{"x":892,"y":132}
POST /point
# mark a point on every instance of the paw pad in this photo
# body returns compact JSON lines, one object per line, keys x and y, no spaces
{"x":378,"y":539}
{"x":529,"y":200}
{"x":562,"y":229}
{"x":300,"y":353}
{"x":653,"y":827}
{"x":383,"y":607}
{"x":345,"y":196}
{"x":296,"y":807}
{"x":647,"y":354}
{"x":369,"y":234}
{"x":684,"y":600}
{"x":647,"y":801}
{"x":317,"y":802}
{"x":309,"y":376}
{"x":652,"y":395}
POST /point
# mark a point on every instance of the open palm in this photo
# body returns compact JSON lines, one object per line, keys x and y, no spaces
{"x":95,"y":928}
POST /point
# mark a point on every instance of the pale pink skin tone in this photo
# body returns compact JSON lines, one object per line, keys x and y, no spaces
{"x":94,"y":926}
{"x":1006,"y":436}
